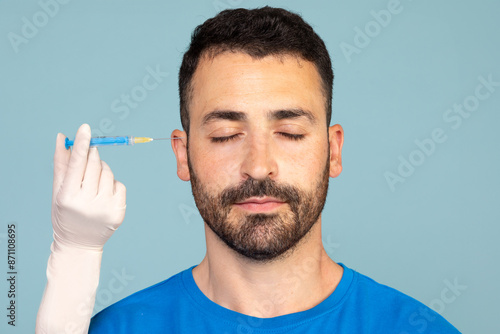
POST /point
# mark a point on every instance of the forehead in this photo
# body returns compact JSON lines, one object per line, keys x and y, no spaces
{"x":236,"y":81}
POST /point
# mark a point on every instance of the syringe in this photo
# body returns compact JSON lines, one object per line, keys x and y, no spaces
{"x":118,"y":140}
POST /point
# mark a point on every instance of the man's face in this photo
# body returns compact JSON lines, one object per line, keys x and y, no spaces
{"x":258,"y":151}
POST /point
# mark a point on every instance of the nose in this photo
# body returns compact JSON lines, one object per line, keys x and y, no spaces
{"x":259,"y":160}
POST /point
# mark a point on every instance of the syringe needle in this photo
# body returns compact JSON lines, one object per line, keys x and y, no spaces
{"x":167,"y":138}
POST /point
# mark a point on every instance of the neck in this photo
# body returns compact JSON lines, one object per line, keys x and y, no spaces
{"x":296,"y":282}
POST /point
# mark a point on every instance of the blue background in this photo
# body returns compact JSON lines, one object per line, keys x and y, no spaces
{"x":441,"y":224}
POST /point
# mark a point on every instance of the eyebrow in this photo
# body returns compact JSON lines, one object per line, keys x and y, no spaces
{"x":223,"y":115}
{"x":271,"y":115}
{"x":291,"y":113}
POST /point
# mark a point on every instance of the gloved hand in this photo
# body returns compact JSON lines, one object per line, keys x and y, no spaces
{"x":88,"y":205}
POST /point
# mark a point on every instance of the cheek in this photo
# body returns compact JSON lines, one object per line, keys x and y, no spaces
{"x":216,"y":169}
{"x":303,"y":164}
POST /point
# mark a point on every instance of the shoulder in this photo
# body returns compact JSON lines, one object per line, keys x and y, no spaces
{"x":386,"y":307}
{"x":157,"y":301}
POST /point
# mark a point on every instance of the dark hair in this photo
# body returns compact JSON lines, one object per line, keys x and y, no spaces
{"x":257,"y":32}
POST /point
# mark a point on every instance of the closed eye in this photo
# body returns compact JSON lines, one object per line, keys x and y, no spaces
{"x":223,"y":139}
{"x":228,"y":138}
{"x":291,"y":136}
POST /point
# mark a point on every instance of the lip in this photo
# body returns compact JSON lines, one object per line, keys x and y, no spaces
{"x":260,"y":204}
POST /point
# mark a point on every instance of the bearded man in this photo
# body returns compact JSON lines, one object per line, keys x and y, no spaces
{"x":257,"y":146}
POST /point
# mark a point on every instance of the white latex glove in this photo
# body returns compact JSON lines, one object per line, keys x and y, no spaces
{"x":88,"y":205}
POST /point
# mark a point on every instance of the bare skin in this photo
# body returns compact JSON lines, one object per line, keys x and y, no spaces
{"x":304,"y":276}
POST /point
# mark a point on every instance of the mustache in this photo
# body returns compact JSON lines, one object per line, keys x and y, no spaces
{"x":260,"y":188}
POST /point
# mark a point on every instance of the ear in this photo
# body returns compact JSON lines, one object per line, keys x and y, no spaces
{"x":336,"y":137}
{"x":179,"y":147}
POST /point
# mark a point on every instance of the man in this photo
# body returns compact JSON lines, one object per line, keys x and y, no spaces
{"x":255,"y":89}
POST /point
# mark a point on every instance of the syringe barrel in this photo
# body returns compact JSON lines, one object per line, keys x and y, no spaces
{"x":106,"y":141}
{"x":111,"y":141}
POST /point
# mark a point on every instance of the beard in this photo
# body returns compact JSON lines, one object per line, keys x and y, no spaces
{"x":262,"y":237}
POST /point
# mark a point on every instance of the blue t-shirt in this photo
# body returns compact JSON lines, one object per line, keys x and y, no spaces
{"x":357,"y":305}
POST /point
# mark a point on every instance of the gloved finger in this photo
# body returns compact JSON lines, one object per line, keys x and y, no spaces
{"x":78,"y":161}
{"x":106,"y":182}
{"x":92,"y":172}
{"x":61,"y":160}
{"x":120,"y":192}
